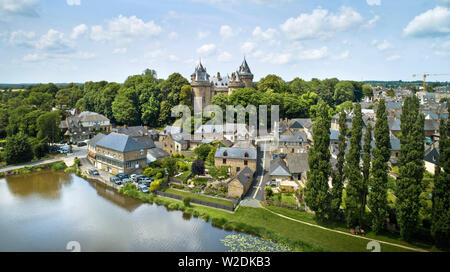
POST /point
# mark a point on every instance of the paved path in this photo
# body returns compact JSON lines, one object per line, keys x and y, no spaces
{"x":250,"y":202}
{"x":68,"y":159}
{"x":345,"y":233}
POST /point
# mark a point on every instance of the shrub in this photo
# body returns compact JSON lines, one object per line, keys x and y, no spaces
{"x":187,"y":201}
{"x":59,"y":166}
{"x":77,"y":161}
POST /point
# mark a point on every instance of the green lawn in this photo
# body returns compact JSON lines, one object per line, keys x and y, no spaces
{"x":297,"y":236}
{"x":200,"y":197}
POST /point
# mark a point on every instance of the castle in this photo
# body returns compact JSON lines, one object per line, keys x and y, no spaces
{"x":207,"y":87}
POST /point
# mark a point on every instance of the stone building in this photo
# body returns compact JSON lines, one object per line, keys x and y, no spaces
{"x":237,"y":158}
{"x":118,"y":153}
{"x":238,"y":185}
{"x":84,"y":126}
{"x":206,"y":87}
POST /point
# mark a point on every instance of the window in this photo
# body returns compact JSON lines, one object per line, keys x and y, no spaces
{"x":225,"y":153}
{"x":142,"y":151}
{"x":245,"y":162}
{"x":238,"y":169}
{"x":224,"y":161}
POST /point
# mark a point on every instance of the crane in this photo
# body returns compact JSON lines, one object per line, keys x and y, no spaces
{"x":425,"y":78}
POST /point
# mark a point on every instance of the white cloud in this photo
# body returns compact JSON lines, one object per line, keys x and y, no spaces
{"x":373,"y":2}
{"x":320,"y":23}
{"x":393,"y":57}
{"x":78,"y":31}
{"x":53,"y":40}
{"x":206,"y":49}
{"x":202,"y":34}
{"x":73,"y":2}
{"x":442,"y":48}
{"x":224,"y":57}
{"x":341,"y":56}
{"x":9,"y":8}
{"x":372,"y":22}
{"x":314,"y":54}
{"x":248,"y":47}
{"x":125,"y":28}
{"x":173,"y":58}
{"x":227,"y":32}
{"x":267,"y":35}
{"x":434,"y":22}
{"x":38,"y":57}
{"x":154,"y":54}
{"x":381,"y":46}
{"x":173,"y":35}
{"x":120,"y":51}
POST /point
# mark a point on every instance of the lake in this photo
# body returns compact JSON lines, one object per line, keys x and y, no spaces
{"x":43,"y":211}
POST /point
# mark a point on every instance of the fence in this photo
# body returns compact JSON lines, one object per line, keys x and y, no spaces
{"x":198,"y":201}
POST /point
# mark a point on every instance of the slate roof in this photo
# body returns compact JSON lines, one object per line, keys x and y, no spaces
{"x":431,"y":125}
{"x":334,"y":135}
{"x":278,"y":168}
{"x":304,"y":122}
{"x":244,"y":176}
{"x":146,"y":141}
{"x":394,"y":124}
{"x":236,"y":153}
{"x":395,"y":142}
{"x":120,"y":142}
{"x":92,"y":142}
{"x":171,"y":129}
{"x":136,"y":131}
{"x":297,"y":162}
{"x":432,"y":155}
{"x":221,"y":82}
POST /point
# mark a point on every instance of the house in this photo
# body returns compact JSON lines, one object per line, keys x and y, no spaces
{"x":394,"y":125}
{"x":431,"y":158}
{"x":395,"y":149}
{"x":279,"y":171}
{"x":240,"y":183}
{"x":296,"y":143}
{"x":118,"y":153}
{"x":174,"y":143}
{"x":135,"y":131}
{"x":84,"y":125}
{"x":237,"y":158}
{"x":298,"y":167}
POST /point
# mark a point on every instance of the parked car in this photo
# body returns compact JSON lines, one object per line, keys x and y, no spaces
{"x":115,"y":180}
{"x":93,"y":171}
{"x":122,"y":176}
{"x":140,"y":177}
{"x":54,"y":148}
{"x":143,"y":188}
{"x":81,"y":144}
{"x":146,"y":181}
{"x":126,"y":180}
{"x":133,"y":177}
{"x":64,"y":149}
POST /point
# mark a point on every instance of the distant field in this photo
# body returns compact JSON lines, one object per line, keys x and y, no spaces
{"x":15,"y":90}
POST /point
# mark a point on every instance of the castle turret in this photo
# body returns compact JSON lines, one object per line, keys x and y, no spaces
{"x":201,"y":85}
{"x":245,"y":75}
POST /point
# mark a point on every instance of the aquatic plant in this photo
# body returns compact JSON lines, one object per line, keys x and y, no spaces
{"x":247,"y":243}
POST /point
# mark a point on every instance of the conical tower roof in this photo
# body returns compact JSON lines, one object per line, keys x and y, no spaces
{"x":244,"y":69}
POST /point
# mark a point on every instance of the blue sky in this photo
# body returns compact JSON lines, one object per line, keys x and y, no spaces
{"x":84,"y":40}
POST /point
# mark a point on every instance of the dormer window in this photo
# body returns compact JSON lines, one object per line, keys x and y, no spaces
{"x":246,"y":155}
{"x":225,"y":153}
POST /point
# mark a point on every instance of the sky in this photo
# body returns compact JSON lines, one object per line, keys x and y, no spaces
{"x":92,"y":40}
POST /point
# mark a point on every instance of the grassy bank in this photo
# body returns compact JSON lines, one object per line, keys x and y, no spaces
{"x":263,"y":223}
{"x":200,"y":197}
{"x":55,"y":166}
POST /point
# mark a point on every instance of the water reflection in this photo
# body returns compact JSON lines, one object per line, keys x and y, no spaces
{"x":128,"y":203}
{"x":47,"y":184}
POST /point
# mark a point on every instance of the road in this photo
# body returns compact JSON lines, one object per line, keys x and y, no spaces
{"x":257,"y":191}
{"x":78,"y":152}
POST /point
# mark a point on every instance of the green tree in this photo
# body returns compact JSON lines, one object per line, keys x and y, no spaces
{"x":198,"y":167}
{"x":355,"y":188}
{"x":344,"y":91}
{"x":125,"y":111}
{"x":367,"y":90}
{"x":18,"y":149}
{"x":317,"y":195}
{"x":410,"y":167}
{"x":202,"y":151}
{"x":378,"y":183}
{"x":150,"y":112}
{"x":338,"y":175}
{"x":185,"y":95}
{"x":171,"y":166}
{"x":48,"y":127}
{"x":298,"y":86}
{"x":367,"y":148}
{"x":272,"y":83}
{"x":440,"y":218}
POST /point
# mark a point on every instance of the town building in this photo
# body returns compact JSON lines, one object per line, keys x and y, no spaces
{"x":237,"y":157}
{"x":239,"y":184}
{"x":84,"y":126}
{"x":118,"y":153}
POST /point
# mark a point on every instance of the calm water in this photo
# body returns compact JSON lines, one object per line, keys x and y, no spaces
{"x":43,"y":211}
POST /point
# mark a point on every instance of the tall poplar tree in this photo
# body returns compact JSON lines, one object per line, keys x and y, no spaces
{"x":338,"y":175}
{"x":440,"y":216}
{"x":317,"y":195}
{"x":352,"y":170}
{"x":378,"y":183}
{"x":367,"y":148}
{"x":411,"y":167}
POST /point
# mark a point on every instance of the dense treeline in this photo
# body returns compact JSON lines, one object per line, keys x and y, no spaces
{"x":364,"y":200}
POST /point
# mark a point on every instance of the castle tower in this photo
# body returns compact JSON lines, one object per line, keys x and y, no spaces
{"x":201,"y":85}
{"x":245,"y":75}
